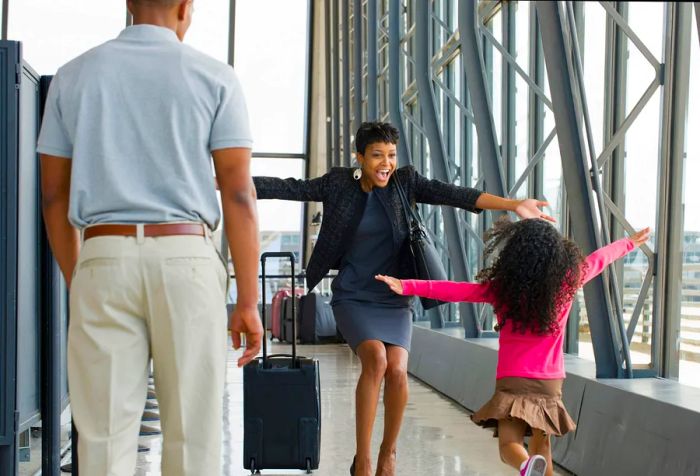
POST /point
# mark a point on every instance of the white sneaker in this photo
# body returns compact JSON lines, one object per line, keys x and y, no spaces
{"x":534,"y":466}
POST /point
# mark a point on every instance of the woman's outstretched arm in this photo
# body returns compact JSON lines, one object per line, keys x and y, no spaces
{"x":435,"y":192}
{"x":313,"y":190}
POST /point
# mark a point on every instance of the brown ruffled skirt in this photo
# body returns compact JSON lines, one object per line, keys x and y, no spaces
{"x":537,"y":402}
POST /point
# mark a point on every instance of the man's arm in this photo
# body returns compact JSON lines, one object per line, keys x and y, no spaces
{"x":241,"y":224}
{"x":64,"y":239}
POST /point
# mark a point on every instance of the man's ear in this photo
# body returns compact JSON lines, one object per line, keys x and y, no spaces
{"x":182,"y":9}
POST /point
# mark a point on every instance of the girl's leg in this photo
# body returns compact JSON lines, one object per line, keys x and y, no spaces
{"x":372,"y":354}
{"x":540,"y":444}
{"x":395,"y":398}
{"x":511,"y":433}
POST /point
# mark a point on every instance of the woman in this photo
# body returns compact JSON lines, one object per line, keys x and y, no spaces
{"x":363,"y":234}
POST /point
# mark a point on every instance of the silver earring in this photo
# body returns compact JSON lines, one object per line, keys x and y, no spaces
{"x":357,"y":174}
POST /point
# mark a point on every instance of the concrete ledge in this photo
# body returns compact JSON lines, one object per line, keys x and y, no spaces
{"x":625,"y":427}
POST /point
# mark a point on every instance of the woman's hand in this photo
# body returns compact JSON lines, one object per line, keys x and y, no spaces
{"x":393,"y":283}
{"x":641,"y":237}
{"x":530,"y":208}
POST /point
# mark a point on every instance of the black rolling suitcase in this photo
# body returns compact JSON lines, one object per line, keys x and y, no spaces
{"x":281,"y":405}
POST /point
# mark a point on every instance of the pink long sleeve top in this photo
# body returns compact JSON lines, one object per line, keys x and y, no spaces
{"x":528,"y":354}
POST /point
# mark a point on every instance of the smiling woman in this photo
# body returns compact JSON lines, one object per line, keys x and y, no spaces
{"x":364,"y":233}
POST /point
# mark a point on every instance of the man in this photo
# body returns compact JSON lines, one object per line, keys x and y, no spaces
{"x":127,"y":136}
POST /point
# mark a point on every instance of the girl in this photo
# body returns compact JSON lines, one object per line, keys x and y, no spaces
{"x":531,"y":285}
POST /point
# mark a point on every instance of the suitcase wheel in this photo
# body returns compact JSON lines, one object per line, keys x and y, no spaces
{"x":253,"y":469}
{"x":308,"y":465}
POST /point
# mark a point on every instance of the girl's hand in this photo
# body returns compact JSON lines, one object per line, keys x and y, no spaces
{"x":393,"y":283}
{"x":641,"y":237}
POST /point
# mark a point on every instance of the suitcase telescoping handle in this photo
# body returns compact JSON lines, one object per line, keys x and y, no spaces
{"x":263,"y":258}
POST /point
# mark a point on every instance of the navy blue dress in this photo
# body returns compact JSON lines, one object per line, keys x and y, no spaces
{"x":364,"y":308}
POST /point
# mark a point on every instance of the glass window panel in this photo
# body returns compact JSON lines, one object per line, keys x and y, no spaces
{"x":497,"y":76}
{"x":594,"y":54}
{"x":63,"y":30}
{"x":522,"y":34}
{"x":271,"y":62}
{"x":209,"y":30}
{"x":552,"y":188}
{"x":690,"y":295}
{"x":647,"y":21}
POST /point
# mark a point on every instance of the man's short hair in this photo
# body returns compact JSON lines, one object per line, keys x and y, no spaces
{"x":373,"y":132}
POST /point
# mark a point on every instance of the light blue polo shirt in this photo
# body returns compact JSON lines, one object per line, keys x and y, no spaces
{"x":139,"y":116}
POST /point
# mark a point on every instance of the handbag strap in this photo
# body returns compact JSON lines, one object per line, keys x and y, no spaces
{"x":413,"y":219}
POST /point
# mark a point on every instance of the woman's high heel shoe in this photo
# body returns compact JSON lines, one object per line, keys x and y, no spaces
{"x":352,"y":467}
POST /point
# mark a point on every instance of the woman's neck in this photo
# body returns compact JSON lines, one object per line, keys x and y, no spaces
{"x":366,"y":184}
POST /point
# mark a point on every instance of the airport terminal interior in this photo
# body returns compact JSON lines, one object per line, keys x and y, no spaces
{"x":588,"y":106}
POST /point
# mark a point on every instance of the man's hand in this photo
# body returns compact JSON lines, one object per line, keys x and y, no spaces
{"x":530,"y":208}
{"x":246,"y":320}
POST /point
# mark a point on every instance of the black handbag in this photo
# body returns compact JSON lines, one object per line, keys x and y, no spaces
{"x":426,"y":260}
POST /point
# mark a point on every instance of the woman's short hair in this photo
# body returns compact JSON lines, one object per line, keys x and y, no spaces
{"x":373,"y":132}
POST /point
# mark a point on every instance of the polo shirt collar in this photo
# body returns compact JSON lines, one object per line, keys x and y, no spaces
{"x":145,"y":32}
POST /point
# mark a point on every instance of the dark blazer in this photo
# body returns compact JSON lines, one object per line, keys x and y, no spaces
{"x":344,"y":203}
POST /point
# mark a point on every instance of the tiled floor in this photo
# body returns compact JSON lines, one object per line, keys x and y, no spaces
{"x":437,"y":439}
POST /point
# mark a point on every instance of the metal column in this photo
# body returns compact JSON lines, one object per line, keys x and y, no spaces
{"x":567,"y":115}
{"x":10,"y":64}
{"x":335,"y":28}
{"x":347,"y":126}
{"x":438,"y":158}
{"x":372,"y":29}
{"x":473,"y":64}
{"x":357,"y":66}
{"x":394,"y":89}
{"x":669,"y":275}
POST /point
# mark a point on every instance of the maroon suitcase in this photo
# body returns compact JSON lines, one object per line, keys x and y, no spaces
{"x":276,"y":311}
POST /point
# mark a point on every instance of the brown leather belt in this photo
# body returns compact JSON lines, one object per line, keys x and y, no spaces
{"x":151,"y":230}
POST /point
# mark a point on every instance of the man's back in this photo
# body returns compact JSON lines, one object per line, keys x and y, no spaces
{"x":141,"y":114}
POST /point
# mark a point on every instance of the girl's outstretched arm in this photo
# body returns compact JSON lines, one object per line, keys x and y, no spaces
{"x":450,"y":291}
{"x":599,"y":259}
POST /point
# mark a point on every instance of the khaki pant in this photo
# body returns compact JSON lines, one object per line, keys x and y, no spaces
{"x":138,"y":298}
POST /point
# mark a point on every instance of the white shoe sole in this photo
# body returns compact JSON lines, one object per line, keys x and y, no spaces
{"x":538,"y":466}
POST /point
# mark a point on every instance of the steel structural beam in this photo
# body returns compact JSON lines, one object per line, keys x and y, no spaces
{"x":394,"y":82}
{"x":697,"y":17}
{"x":357,"y":66}
{"x":335,"y":28}
{"x":346,"y":159}
{"x":51,"y":289}
{"x":10,"y":62}
{"x":567,"y":114}
{"x":5,"y":22}
{"x":372,"y":29}
{"x":669,"y":284}
{"x":331,"y":139}
{"x":429,"y":119}
{"x":508,"y":113}
{"x":474,"y":68}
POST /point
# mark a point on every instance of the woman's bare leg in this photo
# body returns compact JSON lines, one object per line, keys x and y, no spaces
{"x":372,"y":354}
{"x":395,"y":398}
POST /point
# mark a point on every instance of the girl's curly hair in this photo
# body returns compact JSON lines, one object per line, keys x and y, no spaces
{"x":536,"y":272}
